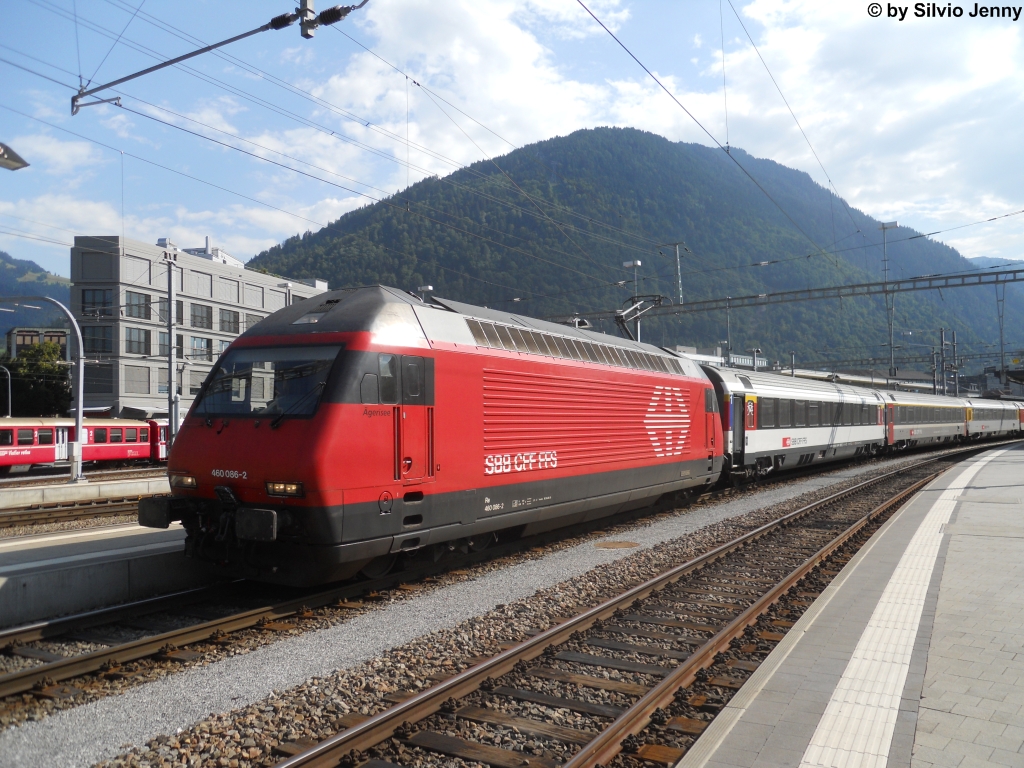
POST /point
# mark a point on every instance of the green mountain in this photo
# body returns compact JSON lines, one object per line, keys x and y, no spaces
{"x":20,"y":277}
{"x":552,"y":224}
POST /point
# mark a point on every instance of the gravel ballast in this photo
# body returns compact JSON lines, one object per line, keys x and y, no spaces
{"x":554,"y":584}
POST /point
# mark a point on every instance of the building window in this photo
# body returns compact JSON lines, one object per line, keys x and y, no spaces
{"x":202,"y":349}
{"x":179,"y":311}
{"x":137,"y":341}
{"x":136,"y":305}
{"x":99,"y":379}
{"x":161,"y":381}
{"x":60,"y":338}
{"x":251,"y":320}
{"x":202,"y":316}
{"x":222,"y":346}
{"x":163,"y":343}
{"x":179,"y":345}
{"x":98,"y":339}
{"x":136,"y":379}
{"x":97,"y":302}
{"x":228,"y":321}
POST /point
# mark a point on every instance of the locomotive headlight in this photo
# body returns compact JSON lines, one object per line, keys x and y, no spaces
{"x":183,"y":481}
{"x":284,"y":489}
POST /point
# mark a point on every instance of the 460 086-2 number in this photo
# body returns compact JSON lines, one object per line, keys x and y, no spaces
{"x":230,"y":474}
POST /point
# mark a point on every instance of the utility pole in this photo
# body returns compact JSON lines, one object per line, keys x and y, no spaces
{"x":172,"y":378}
{"x":956,"y":369}
{"x":635,"y":264}
{"x":1000,"y":307}
{"x":728,"y":326}
{"x":890,"y":297}
{"x":935,"y":371}
{"x":942,"y":347}
{"x":679,"y":275}
{"x":792,"y":363}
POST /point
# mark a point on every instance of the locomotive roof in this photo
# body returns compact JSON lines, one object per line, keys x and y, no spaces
{"x":402,"y":319}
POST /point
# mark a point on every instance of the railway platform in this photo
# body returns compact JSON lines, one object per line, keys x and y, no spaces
{"x":913,"y":656}
{"x":72,"y":571}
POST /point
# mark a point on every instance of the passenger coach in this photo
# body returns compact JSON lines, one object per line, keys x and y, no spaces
{"x":333,"y":437}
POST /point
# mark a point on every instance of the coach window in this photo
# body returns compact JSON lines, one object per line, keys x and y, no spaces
{"x":799,"y":413}
{"x":115,"y":435}
{"x":388,"y":378}
{"x":368,"y":389}
{"x":766,"y":413}
{"x":144,"y":435}
{"x":99,"y":435}
{"x":785,"y":413}
{"x":131,"y":435}
{"x":26,"y":437}
{"x":46,"y":437}
{"x":812,"y":414}
{"x":6,"y":437}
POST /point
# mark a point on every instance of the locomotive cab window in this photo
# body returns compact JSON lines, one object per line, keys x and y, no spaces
{"x":26,"y":437}
{"x":6,"y":437}
{"x":267,"y":381}
{"x":412,"y":380}
{"x":368,"y":389}
{"x":710,"y":402}
{"x":388,"y":378}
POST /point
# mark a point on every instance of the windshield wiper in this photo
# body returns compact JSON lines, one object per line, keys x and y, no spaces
{"x":315,"y":390}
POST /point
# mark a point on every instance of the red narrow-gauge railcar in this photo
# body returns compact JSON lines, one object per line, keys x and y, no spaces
{"x":45,"y":442}
{"x":340,"y":432}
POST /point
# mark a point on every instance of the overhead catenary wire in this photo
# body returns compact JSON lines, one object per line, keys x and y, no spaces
{"x":705,"y":130}
{"x":305,"y":94}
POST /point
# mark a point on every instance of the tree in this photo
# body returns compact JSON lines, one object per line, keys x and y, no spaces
{"x":40,"y":382}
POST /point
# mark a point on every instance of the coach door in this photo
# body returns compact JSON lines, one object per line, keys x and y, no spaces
{"x":736,"y":421}
{"x":417,"y":419}
{"x":890,"y":421}
{"x":60,"y":444}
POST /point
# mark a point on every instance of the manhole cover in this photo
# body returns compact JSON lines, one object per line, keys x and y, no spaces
{"x":616,"y":544}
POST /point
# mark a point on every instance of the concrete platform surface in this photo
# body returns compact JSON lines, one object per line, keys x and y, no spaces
{"x":71,"y":571}
{"x":62,"y":493}
{"x":913,"y":656}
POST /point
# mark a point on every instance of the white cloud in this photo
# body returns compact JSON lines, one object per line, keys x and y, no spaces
{"x":55,"y":156}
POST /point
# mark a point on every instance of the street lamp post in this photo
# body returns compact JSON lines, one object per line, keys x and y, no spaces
{"x":79,"y":385}
{"x":9,"y":404}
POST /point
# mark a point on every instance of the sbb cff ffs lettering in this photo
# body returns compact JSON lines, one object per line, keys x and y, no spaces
{"x":503,"y":463}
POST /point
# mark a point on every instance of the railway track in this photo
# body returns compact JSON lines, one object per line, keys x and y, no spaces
{"x":61,"y":478}
{"x":63,"y":512}
{"x":286,"y":612}
{"x":643,"y":673}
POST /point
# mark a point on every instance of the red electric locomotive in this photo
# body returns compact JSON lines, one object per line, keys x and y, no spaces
{"x":341,"y":432}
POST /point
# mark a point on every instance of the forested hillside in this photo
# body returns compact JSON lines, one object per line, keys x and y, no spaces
{"x":551,"y":225}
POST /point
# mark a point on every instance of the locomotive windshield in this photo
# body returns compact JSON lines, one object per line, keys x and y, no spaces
{"x":275,"y":381}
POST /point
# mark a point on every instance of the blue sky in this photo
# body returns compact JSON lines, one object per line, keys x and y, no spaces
{"x":917,"y":120}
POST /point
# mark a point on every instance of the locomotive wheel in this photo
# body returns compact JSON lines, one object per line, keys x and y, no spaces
{"x":379,"y":566}
{"x":481,"y":542}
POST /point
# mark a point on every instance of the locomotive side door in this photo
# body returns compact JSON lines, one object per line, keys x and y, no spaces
{"x":417,"y":419}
